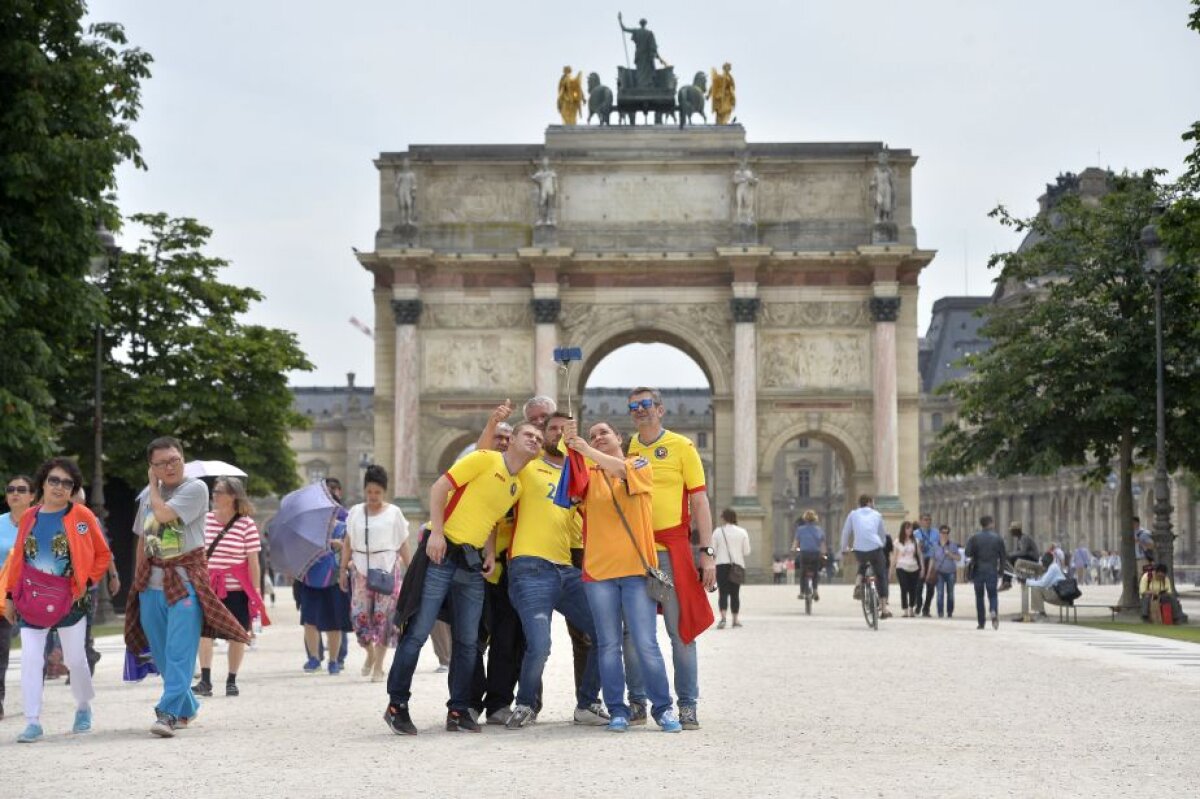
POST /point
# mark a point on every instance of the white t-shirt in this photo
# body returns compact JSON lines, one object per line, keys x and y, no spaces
{"x":731,"y":544}
{"x":388,"y":532}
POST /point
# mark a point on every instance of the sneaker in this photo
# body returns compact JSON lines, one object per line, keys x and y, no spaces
{"x":500,"y":716}
{"x":858,"y":591}
{"x":594,"y":715}
{"x":885,"y":614}
{"x":366,"y":669}
{"x":202,"y":688}
{"x":398,"y":720}
{"x":522,"y":716}
{"x":618,"y":724}
{"x":31,"y":733}
{"x":475,"y":714}
{"x":231,"y":689}
{"x":441,"y":669}
{"x":669,"y":722}
{"x":816,"y":596}
{"x":721,"y":624}
{"x":995,"y":621}
{"x":925,"y":614}
{"x":979,"y":627}
{"x":457,"y":721}
{"x":737,"y":624}
{"x":163,"y":726}
{"x":637,"y":714}
{"x":335,"y":668}
{"x":312,"y":665}
{"x":83,"y":721}
{"x":687,"y":717}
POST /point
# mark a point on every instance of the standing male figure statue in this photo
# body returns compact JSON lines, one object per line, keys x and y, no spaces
{"x":547,"y":183}
{"x":883,"y":190}
{"x":645,"y":52}
{"x":744,"y":183}
{"x":406,"y":194}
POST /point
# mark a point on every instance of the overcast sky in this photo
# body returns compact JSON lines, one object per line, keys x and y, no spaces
{"x":262,"y":118}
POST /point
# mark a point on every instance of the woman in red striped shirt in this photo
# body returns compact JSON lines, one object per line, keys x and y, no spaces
{"x":232,"y":545}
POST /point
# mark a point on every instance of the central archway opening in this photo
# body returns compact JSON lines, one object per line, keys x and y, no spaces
{"x":809,"y":473}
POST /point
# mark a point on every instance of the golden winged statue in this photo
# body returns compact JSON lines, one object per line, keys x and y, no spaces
{"x":570,"y":96}
{"x":722,"y":92}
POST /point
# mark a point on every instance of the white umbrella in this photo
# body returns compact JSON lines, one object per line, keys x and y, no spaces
{"x":212,"y":469}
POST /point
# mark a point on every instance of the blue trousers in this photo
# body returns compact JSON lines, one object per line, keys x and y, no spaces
{"x":174,"y":635}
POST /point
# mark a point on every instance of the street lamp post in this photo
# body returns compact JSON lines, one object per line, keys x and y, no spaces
{"x":100,"y":264}
{"x":1155,"y":266}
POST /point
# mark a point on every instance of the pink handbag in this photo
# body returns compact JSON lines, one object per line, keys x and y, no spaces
{"x":42,"y":600}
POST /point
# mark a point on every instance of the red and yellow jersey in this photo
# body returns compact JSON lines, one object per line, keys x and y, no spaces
{"x":607,"y":551}
{"x":678,"y":474}
{"x":543,"y":529}
{"x":483,"y":491}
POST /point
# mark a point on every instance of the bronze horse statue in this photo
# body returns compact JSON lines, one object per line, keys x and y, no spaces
{"x":600,"y":100}
{"x":691,"y":99}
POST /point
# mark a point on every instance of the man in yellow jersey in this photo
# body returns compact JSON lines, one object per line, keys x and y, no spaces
{"x":679,"y":502}
{"x":464,"y":505}
{"x":542,"y":579}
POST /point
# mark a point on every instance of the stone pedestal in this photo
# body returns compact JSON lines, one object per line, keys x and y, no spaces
{"x":545,"y":235}
{"x":405,"y":235}
{"x":406,"y":420}
{"x":884,"y":233}
{"x":886,"y":424}
{"x":745,"y":398}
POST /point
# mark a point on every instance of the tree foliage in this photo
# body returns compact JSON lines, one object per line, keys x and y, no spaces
{"x":179,"y":362}
{"x":67,"y":99}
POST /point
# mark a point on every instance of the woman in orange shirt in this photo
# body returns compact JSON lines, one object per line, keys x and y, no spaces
{"x":616,"y":553}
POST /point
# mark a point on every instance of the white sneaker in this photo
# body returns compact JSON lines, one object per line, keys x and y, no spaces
{"x":592,"y":716}
{"x":500,"y":716}
{"x":522,"y":716}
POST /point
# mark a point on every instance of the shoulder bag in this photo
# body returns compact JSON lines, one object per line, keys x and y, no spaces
{"x":378,"y":580}
{"x":658,"y":583}
{"x":41,"y":599}
{"x":1068,"y":590}
{"x":213,"y":546}
{"x":737,"y":574}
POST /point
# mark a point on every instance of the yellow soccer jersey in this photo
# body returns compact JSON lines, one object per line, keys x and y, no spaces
{"x":483,"y":492}
{"x":543,"y":529}
{"x":678,"y":474}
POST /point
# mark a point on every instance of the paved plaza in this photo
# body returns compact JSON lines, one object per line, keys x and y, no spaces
{"x":790,"y":706}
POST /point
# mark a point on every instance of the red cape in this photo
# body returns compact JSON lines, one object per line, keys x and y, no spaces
{"x":695,"y":611}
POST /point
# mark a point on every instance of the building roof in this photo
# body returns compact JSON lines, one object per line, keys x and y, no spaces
{"x":692,"y":403}
{"x":953,"y":333}
{"x":327,"y":402}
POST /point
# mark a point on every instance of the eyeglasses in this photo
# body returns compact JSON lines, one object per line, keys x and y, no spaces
{"x":17,"y":490}
{"x":173,"y":463}
{"x":60,"y":482}
{"x":644,"y":402}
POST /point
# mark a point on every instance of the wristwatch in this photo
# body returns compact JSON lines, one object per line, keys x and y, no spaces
{"x":706,"y":551}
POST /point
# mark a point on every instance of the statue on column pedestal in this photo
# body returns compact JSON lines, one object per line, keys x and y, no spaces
{"x":406,"y":200}
{"x":744,"y":191}
{"x":883,"y":200}
{"x":545,"y":226}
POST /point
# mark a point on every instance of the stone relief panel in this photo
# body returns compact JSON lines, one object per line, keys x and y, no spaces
{"x":812,"y":314}
{"x":815,"y":193}
{"x":458,"y":197}
{"x":808,"y":360}
{"x":651,"y":196}
{"x":473,"y":316}
{"x":473,"y":362}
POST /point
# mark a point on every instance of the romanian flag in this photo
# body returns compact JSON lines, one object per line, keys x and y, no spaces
{"x":573,"y":483}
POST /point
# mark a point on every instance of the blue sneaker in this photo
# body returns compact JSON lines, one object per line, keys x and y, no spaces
{"x":312,"y":665}
{"x":31,"y":733}
{"x":83,"y":721}
{"x":618,"y":724}
{"x":669,"y":722}
{"x":335,"y":668}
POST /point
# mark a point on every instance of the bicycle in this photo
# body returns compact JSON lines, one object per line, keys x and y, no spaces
{"x":870,"y":598}
{"x":807,"y":590}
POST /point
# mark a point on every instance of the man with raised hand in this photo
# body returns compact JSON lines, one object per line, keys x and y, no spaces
{"x":542,"y":579}
{"x":679,"y":502}
{"x":465,"y":504}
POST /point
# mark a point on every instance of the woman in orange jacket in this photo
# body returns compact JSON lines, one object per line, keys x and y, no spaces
{"x":59,"y":552}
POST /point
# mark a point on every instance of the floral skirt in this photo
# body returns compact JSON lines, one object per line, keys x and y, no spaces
{"x":372,"y":613}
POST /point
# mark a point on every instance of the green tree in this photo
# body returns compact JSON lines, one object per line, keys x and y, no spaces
{"x":179,"y":362}
{"x":67,"y":99}
{"x":1070,"y":377}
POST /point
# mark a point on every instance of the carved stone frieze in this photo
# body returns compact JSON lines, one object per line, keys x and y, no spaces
{"x":474,"y":362}
{"x":814,"y":360}
{"x":810,"y":314}
{"x":474,"y":316}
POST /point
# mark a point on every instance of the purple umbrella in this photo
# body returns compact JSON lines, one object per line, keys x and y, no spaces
{"x":299,"y":533}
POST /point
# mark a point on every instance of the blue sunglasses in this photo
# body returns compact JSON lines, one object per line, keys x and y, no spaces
{"x":645,"y":402}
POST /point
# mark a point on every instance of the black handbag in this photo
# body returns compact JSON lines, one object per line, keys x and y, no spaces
{"x":378,"y":580}
{"x":658,"y":583}
{"x":1068,"y":589}
{"x":737,"y":574}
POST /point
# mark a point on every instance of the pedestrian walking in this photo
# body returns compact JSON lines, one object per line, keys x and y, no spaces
{"x":985,"y":550}
{"x":942,"y":566}
{"x":908,"y":561}
{"x":731,"y":545}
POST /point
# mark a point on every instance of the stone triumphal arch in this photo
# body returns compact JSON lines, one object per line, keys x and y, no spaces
{"x":773,"y":265}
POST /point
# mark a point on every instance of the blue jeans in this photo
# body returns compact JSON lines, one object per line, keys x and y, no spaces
{"x":683,"y":656}
{"x":986,"y":582}
{"x":173,"y":632}
{"x":625,"y":599}
{"x":466,"y":592}
{"x":537,"y":588}
{"x":945,"y":589}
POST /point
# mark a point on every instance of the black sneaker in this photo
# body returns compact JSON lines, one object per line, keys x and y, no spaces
{"x":202,"y":688}
{"x":637,"y":713}
{"x":398,"y":720}
{"x":231,"y":689}
{"x":457,"y":721}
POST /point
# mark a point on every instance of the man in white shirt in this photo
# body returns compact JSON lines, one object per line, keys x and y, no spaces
{"x":1041,"y":589}
{"x":866,"y":525}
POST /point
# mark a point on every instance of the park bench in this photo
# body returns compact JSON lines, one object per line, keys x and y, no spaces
{"x":1070,"y":611}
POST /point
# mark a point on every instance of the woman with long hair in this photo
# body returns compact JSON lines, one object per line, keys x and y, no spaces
{"x":58,"y":552}
{"x":731,"y":545}
{"x":232,"y":545}
{"x":909,"y":566}
{"x":376,"y":540}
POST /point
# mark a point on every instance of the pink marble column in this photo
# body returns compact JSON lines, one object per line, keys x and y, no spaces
{"x":545,"y":339}
{"x":745,"y":398}
{"x":887,"y":465}
{"x":406,"y":417}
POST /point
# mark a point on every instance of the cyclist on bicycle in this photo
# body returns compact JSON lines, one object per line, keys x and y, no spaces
{"x":811,"y":549}
{"x":866,"y":525}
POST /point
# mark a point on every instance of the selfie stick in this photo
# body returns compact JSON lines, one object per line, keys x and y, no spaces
{"x":564,"y":356}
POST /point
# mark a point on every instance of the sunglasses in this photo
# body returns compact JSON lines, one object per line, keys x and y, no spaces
{"x":645,"y":402}
{"x":171,"y":464}
{"x":60,"y":482}
{"x":17,"y":490}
